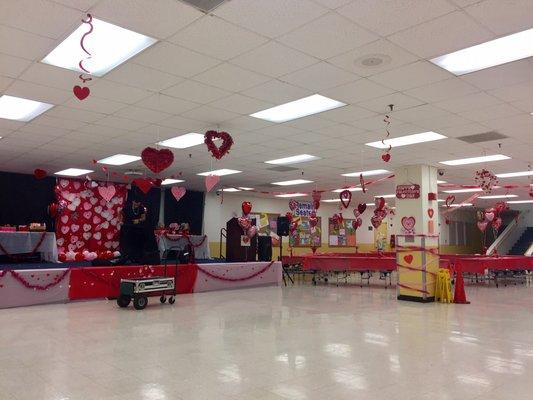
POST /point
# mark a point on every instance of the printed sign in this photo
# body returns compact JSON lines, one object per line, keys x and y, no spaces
{"x":408,"y":191}
{"x":303,"y":209}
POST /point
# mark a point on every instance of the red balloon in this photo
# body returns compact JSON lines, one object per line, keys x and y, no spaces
{"x":39,"y":173}
{"x":246,"y":207}
{"x":316,"y":204}
{"x":62,"y":257}
{"x":289,"y":216}
{"x":79,"y":257}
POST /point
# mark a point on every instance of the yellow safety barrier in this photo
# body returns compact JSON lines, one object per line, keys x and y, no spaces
{"x":443,"y":291}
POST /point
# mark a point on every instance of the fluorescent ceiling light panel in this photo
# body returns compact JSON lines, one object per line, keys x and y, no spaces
{"x":470,"y":190}
{"x":294,"y":159}
{"x":74,"y":172}
{"x":441,"y":201}
{"x":183,"y":141}
{"x":119,"y":159}
{"x":304,"y":107}
{"x":498,"y":196}
{"x":407,"y":140}
{"x":489,"y":54}
{"x":515,"y":174}
{"x":293,"y":182}
{"x":331,"y":200}
{"x":291,"y":195}
{"x":476,"y":160}
{"x":441,"y":182}
{"x":461,"y":205}
{"x":245,"y":188}
{"x":355,"y":189}
{"x":370,"y":204}
{"x":110,"y":46}
{"x":19,"y":109}
{"x":368,"y":173}
{"x":519,"y":201}
{"x":220,"y":172}
{"x":170,"y":181}
{"x":230,"y":190}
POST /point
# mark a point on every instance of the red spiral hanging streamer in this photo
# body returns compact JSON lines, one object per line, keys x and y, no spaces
{"x":83,"y":92}
{"x":386,"y":155}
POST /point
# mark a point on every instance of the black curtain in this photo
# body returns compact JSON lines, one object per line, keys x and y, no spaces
{"x":151,"y":201}
{"x":24,"y":199}
{"x":189,"y":209}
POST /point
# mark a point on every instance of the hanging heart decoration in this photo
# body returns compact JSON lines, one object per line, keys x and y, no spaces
{"x":157,"y":160}
{"x":39,"y":173}
{"x":379,"y":202}
{"x":430,"y":212}
{"x":408,"y":258}
{"x":313,"y":220}
{"x":346,"y":198}
{"x":83,"y":92}
{"x":362,"y":183}
{"x":107,"y":192}
{"x":408,"y":224}
{"x":375,"y":221}
{"x":356,"y":213}
{"x":386,"y":156}
{"x":356,"y":223}
{"x":211,"y":181}
{"x":316,"y":196}
{"x":449,"y":200}
{"x":246,"y":207}
{"x":485,"y":180}
{"x":218,"y":152}
{"x":361,"y":207}
{"x":144,"y":184}
{"x":293,"y":204}
{"x":178,"y":192}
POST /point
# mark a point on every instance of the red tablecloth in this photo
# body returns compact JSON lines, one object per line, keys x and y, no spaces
{"x":348,"y":263}
{"x":481,"y":263}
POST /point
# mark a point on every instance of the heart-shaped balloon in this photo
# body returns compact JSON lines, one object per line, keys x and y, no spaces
{"x":178,"y":192}
{"x":252,"y":231}
{"x":430,"y":212}
{"x":356,"y":213}
{"x":218,"y":152}
{"x":346,"y":197}
{"x":408,"y":223}
{"x":144,"y":184}
{"x":356,"y":223}
{"x":246,"y":207}
{"x":289,"y":216}
{"x":385,"y":157}
{"x":361,"y":207}
{"x":244,"y":223}
{"x":379,"y":202}
{"x":81,"y":92}
{"x":293,"y":204}
{"x":375,"y":221}
{"x":449,"y":200}
{"x":211,"y":181}
{"x":489,"y":216}
{"x":482,"y":225}
{"x":107,"y":192}
{"x":157,"y":160}
{"x":39,"y":173}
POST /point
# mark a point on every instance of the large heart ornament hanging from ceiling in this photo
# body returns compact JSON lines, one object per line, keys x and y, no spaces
{"x":157,"y":160}
{"x":346,"y":198}
{"x":361,"y":207}
{"x":218,"y":152}
{"x":211,"y":181}
{"x":178,"y":192}
{"x":144,"y":184}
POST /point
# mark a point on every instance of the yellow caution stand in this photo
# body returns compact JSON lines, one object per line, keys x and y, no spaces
{"x":443,"y":291}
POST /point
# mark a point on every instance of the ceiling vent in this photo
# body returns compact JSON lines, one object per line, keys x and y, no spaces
{"x":282,"y":168}
{"x":204,"y":5}
{"x":482,"y":137}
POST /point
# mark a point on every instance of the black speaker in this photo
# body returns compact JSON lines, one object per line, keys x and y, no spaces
{"x":264,"y":248}
{"x":283,"y":226}
{"x":151,"y":257}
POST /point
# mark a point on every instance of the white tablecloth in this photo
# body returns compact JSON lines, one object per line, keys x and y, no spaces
{"x":25,"y":242}
{"x":178,"y":242}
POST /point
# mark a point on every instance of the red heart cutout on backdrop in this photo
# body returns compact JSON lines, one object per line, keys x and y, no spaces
{"x":361,"y":207}
{"x":386,"y":157}
{"x":408,"y":258}
{"x":178,"y":192}
{"x":157,"y":160}
{"x":346,"y":197}
{"x":107,"y":192}
{"x":218,"y":152}
{"x":144,"y":184}
{"x":39,"y":173}
{"x":430,"y":212}
{"x":81,"y":92}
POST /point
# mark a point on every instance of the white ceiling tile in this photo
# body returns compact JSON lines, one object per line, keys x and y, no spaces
{"x":464,"y":130}
{"x":74,"y":113}
{"x":514,"y":92}
{"x":210,"y":115}
{"x":217,"y":38}
{"x":504,"y":75}
{"x":398,"y":100}
{"x":419,"y":113}
{"x":82,"y":5}
{"x":182,"y":124}
{"x":96,"y":104}
{"x":464,"y":3}
{"x":347,"y":114}
{"x":167,"y":104}
{"x":5,"y":82}
{"x":437,"y":123}
{"x":122,"y":123}
{"x":339,"y":130}
{"x":328,"y":36}
{"x":118,"y":92}
{"x":157,"y":18}
{"x":490,"y":112}
{"x":142,"y":114}
{"x":244,"y":123}
{"x":277,"y":92}
{"x":525,"y":105}
{"x":12,"y":66}
{"x":410,"y":76}
{"x":196,"y":91}
{"x":386,"y":17}
{"x":58,"y":122}
{"x":470,"y":102}
{"x":333,"y":3}
{"x":175,"y":60}
{"x":274,"y":59}
{"x":231,"y":77}
{"x":44,"y":74}
{"x":443,"y":90}
{"x":270,"y":18}
{"x":34,"y":128}
{"x":503,"y":17}
{"x":358,"y":91}
{"x":240,"y":104}
{"x":319,"y":76}
{"x":443,"y":35}
{"x":24,"y":44}
{"x":143,"y":77}
{"x":313,"y":122}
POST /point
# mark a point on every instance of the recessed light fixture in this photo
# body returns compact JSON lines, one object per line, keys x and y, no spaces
{"x":370,"y":204}
{"x":19,"y":109}
{"x":119,"y":159}
{"x":514,"y":174}
{"x":110,"y":45}
{"x":331,"y":200}
{"x":352,"y":189}
{"x":230,"y":190}
{"x":291,"y":195}
{"x":461,"y":205}
{"x":294,"y":159}
{"x":183,"y":141}
{"x":407,"y":140}
{"x":519,"y":201}
{"x":498,"y":196}
{"x":387,"y":196}
{"x":368,"y":173}
{"x":245,"y":188}
{"x":304,"y":107}
{"x":74,"y":172}
{"x":293,"y":182}
{"x":489,"y":54}
{"x":170,"y":181}
{"x":475,"y":160}
{"x":440,"y":182}
{"x":220,"y":172}
{"x":469,"y":190}
{"x":440,"y":200}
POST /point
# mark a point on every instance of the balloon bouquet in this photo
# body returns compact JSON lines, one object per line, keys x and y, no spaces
{"x":492,"y":216}
{"x":244,"y":222}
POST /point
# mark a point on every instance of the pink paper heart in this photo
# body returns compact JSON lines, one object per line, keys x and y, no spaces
{"x":211,"y":181}
{"x":408,"y":223}
{"x":107,"y":192}
{"x":178,"y":192}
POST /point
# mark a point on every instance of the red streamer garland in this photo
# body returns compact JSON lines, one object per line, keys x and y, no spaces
{"x":28,"y":285}
{"x":221,"y":278}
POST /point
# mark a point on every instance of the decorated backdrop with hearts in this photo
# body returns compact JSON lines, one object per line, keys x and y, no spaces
{"x":88,"y":222}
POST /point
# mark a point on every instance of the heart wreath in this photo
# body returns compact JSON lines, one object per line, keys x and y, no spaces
{"x":157,"y":160}
{"x":218,"y":152}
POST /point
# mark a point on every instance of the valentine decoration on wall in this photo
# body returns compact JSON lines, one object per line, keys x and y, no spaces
{"x":337,"y":219}
{"x":83,"y":92}
{"x":88,"y":222}
{"x":386,"y":155}
{"x":411,"y":191}
{"x":345,"y":197}
{"x":144,"y":184}
{"x":380,"y":212}
{"x":178,"y":192}
{"x":316,"y":195}
{"x":356,"y":223}
{"x":246,"y":207}
{"x":211,"y":181}
{"x":449,"y":200}
{"x":107,"y":192}
{"x":39,"y":174}
{"x":430,"y":212}
{"x":485,"y":180}
{"x":362,"y":183}
{"x":361,"y":207}
{"x":432,"y":196}
{"x":408,"y":224}
{"x":293,"y":204}
{"x":218,"y":152}
{"x":379,"y":202}
{"x":157,"y":160}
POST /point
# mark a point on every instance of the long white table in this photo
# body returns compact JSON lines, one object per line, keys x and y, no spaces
{"x":26,"y":242}
{"x":179,"y":242}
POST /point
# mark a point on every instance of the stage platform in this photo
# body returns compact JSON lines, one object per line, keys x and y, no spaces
{"x":63,"y":283}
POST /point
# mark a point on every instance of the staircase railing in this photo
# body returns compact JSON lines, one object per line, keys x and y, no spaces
{"x":506,"y":234}
{"x":223,"y":235}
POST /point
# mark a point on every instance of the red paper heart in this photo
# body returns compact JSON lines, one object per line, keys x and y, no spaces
{"x":157,"y":160}
{"x":178,"y":192}
{"x":386,"y":157}
{"x":39,"y":173}
{"x":218,"y":152}
{"x":293,"y":204}
{"x":408,"y":258}
{"x":361,"y":207}
{"x":81,"y":92}
{"x":430,"y":212}
{"x":144,"y":184}
{"x":246,"y":207}
{"x":346,"y":198}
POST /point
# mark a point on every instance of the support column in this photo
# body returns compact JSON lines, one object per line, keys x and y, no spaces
{"x":417,"y":232}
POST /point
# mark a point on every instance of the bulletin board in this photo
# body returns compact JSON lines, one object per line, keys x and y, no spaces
{"x":305,"y":236}
{"x":341,"y":235}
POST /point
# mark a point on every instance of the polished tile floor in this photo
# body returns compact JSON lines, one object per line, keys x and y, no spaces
{"x":298,"y":343}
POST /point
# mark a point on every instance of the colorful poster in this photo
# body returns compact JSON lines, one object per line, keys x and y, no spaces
{"x":267,"y":225}
{"x":305,"y":235}
{"x":341,"y":235}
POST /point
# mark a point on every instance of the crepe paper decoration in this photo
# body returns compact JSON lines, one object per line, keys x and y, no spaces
{"x":386,"y":155}
{"x":218,"y":152}
{"x":157,"y":160}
